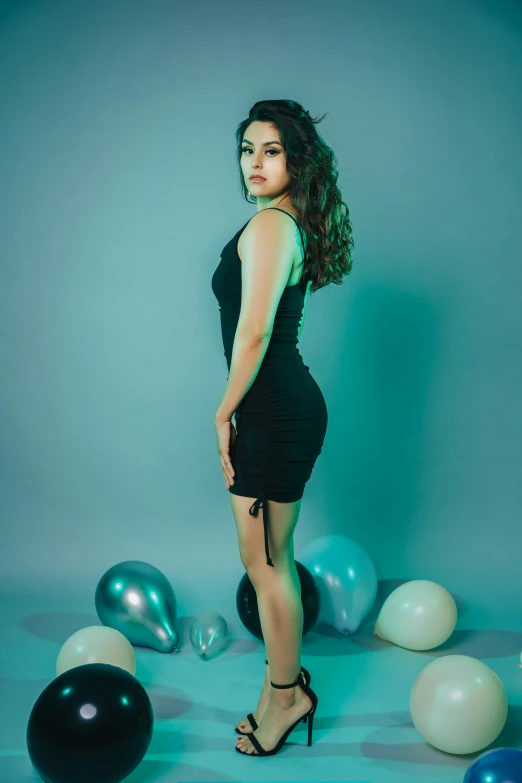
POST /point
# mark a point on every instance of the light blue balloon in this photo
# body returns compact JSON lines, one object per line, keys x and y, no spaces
{"x":346,"y":579}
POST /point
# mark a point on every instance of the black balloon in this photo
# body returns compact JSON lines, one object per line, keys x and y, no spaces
{"x":246,"y":602}
{"x":92,"y":723}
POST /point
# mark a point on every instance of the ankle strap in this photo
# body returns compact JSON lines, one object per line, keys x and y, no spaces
{"x":290,"y":685}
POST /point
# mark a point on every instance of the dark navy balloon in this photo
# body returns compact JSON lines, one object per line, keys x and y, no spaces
{"x":246,"y":602}
{"x":501,"y":765}
{"x":92,"y":723}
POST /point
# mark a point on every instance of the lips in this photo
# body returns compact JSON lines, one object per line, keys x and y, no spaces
{"x":258,"y":179}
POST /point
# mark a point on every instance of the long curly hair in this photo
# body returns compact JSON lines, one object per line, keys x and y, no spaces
{"x":313,"y":191}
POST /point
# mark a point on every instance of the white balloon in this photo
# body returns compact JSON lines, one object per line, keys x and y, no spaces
{"x":96,"y":644}
{"x":418,"y":615}
{"x":458,"y":704}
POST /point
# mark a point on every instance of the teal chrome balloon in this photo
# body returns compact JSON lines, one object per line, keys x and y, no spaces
{"x":346,"y":578}
{"x":138,"y":600}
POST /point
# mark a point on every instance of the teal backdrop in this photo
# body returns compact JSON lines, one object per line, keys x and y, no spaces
{"x":118,"y":190}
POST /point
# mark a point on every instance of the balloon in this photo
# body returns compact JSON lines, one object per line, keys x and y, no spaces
{"x":346,"y":579}
{"x":137,"y":599}
{"x":208,"y":634}
{"x":96,"y":644}
{"x":246,"y":602}
{"x":458,"y":704}
{"x":92,"y":723}
{"x":502,"y":765}
{"x":418,"y":615}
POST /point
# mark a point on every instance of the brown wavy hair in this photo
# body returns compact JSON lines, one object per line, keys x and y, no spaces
{"x":313,"y":190}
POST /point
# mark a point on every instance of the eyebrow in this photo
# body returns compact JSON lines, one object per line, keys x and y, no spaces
{"x":246,"y":141}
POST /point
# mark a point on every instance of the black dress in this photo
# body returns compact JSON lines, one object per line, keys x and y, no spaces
{"x":281,"y":421}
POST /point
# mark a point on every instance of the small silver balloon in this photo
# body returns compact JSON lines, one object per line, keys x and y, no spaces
{"x":208,"y":634}
{"x":137,"y":599}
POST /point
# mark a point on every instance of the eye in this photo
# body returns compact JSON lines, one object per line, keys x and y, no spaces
{"x":270,"y":149}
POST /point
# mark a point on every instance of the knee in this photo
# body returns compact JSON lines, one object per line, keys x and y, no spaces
{"x":253,"y":557}
{"x":253,"y":564}
{"x":259,"y":572}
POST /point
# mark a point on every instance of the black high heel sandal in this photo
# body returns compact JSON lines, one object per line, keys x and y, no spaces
{"x":308,"y":716}
{"x":307,"y":678}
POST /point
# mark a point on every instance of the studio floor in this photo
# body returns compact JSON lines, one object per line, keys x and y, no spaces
{"x":362,"y":730}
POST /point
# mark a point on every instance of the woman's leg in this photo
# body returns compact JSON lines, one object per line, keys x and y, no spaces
{"x":278,"y":589}
{"x":280,"y":608}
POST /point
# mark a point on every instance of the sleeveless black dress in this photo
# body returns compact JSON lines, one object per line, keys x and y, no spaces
{"x":281,"y":421}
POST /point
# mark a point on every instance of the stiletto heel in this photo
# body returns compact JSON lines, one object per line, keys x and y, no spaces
{"x":309,"y":715}
{"x":307,"y":678}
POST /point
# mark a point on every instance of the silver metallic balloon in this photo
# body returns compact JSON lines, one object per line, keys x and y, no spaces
{"x":208,"y":634}
{"x":137,"y":599}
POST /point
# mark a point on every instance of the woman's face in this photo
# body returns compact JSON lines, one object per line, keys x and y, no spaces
{"x":262,"y":153}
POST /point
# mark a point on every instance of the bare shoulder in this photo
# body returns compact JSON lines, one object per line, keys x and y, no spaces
{"x":262,"y":221}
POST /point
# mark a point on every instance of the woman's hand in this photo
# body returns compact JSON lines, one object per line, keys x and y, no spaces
{"x":226,"y":438}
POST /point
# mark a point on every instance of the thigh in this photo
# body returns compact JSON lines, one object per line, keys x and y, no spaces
{"x":282,"y":518}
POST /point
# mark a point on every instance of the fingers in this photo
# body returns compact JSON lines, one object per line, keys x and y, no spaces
{"x":226,"y":437}
{"x":228,"y":471}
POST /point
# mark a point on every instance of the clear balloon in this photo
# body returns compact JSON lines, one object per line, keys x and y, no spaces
{"x":96,"y":644}
{"x":458,"y":704}
{"x":137,"y":599}
{"x":418,"y":615}
{"x":208,"y":634}
{"x":346,"y":579}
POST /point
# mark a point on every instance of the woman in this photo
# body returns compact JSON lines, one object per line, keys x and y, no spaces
{"x":298,"y":241}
